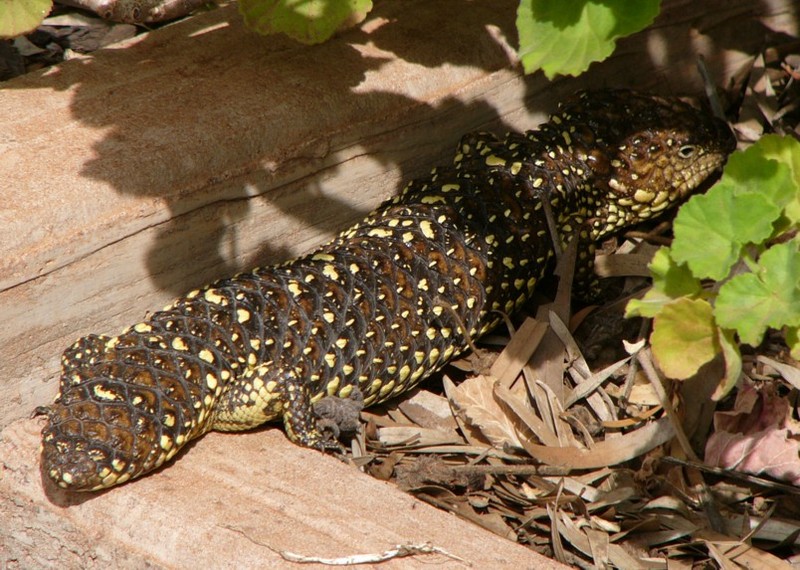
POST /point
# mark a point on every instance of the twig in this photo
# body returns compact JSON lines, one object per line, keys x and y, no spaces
{"x":399,"y":551}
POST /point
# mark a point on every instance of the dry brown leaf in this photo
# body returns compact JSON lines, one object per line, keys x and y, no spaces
{"x":617,"y":555}
{"x":789,"y":373}
{"x":518,"y":351}
{"x":746,"y":556}
{"x":526,"y":415}
{"x":596,"y":380}
{"x":429,"y":410}
{"x":476,"y":406}
{"x":608,"y":452}
{"x":621,"y":265}
{"x":758,"y":436}
{"x":415,"y":436}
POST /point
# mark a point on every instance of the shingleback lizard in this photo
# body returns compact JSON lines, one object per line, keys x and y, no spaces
{"x":387,"y":302}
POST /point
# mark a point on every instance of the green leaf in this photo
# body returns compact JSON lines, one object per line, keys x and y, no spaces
{"x":684,"y":337}
{"x":785,"y":150}
{"x":20,"y":16}
{"x":670,"y":281}
{"x":711,"y":229}
{"x":563,"y":38}
{"x":307,"y":21}
{"x":769,"y":297}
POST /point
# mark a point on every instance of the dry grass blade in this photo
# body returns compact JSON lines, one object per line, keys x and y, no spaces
{"x":518,"y":351}
{"x":731,"y":553}
{"x":616,"y":554}
{"x":591,"y":384}
{"x":526,"y":415}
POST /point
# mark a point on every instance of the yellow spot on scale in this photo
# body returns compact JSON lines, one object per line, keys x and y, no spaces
{"x":142,"y":328}
{"x":419,"y":356}
{"x":379,"y":232}
{"x":103,"y":394}
{"x":213,"y":296}
{"x":179,"y":344}
{"x":346,"y":391}
{"x":242,"y":315}
{"x":211,"y":381}
{"x":433,"y":356}
{"x":166,"y":442}
{"x":427,"y":229}
{"x":347,"y":369}
{"x":493,"y":160}
{"x":341,"y":342}
{"x":118,"y":465}
{"x":294,"y":288}
{"x":516,"y":167}
{"x":436,"y":199}
{"x":330,"y":272}
{"x":330,"y":359}
{"x":431,"y":333}
{"x":328,"y":316}
{"x":206,"y":355}
{"x":322,"y":257}
{"x":404,"y":372}
{"x":386,"y":388}
{"x":332,"y":386}
{"x":354,"y":268}
{"x":408,"y":237}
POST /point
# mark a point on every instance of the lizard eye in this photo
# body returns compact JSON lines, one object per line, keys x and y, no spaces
{"x":687,"y":151}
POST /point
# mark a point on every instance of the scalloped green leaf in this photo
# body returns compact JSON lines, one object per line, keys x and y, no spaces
{"x":684,"y":337}
{"x":564,"y":38}
{"x":20,"y":16}
{"x":307,"y":21}
{"x":741,"y":209}
{"x":671,"y":281}
{"x":770,"y":297}
{"x":785,"y":150}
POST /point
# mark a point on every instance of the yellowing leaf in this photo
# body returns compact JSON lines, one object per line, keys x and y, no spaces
{"x":684,"y":337}
{"x":20,"y":16}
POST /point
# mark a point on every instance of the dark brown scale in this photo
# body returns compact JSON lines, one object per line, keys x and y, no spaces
{"x":385,"y":304}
